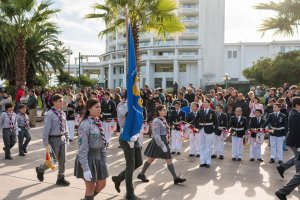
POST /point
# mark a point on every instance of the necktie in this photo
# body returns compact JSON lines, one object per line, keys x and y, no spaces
{"x":99,"y":125}
{"x":205,"y":111}
{"x":195,"y":114}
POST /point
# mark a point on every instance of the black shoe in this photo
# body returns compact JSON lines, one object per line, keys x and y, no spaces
{"x":280,"y":170}
{"x":3,"y":148}
{"x":198,"y":155}
{"x":280,"y":162}
{"x":213,"y":156}
{"x":239,"y":159}
{"x":251,"y":159}
{"x":221,"y":157}
{"x":40,"y":176}
{"x":62,"y":182}
{"x":22,"y":154}
{"x":173,"y":152}
{"x":178,"y":153}
{"x":260,"y":160}
{"x":24,"y":150}
{"x":117,"y":183}
{"x":133,"y":198}
{"x":280,"y":196}
{"x":179,"y":180}
{"x":285,"y":150}
{"x":202,"y":165}
{"x":207,"y":166}
{"x":8,"y":158}
{"x":271,"y":160}
{"x":191,"y":155}
{"x":143,"y":178}
{"x":233,"y":159}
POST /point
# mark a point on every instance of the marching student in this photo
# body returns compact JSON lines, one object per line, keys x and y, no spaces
{"x":194,"y":137}
{"x":23,"y":124}
{"x":158,"y":147}
{"x":207,"y":123}
{"x":257,"y":135}
{"x":278,"y":129}
{"x":219,"y":136}
{"x":238,"y":126}
{"x":109,"y":112}
{"x":91,"y":160}
{"x":70,"y":113}
{"x":55,"y":134}
{"x":176,"y":117}
{"x":8,"y":124}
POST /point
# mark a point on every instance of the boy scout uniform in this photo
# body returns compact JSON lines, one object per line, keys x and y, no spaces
{"x":23,"y":124}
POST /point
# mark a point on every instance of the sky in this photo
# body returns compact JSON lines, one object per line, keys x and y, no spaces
{"x":241,"y":24}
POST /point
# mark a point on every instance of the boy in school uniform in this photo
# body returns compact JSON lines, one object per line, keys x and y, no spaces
{"x":55,"y":134}
{"x":238,"y":125}
{"x":9,"y":126}
{"x":194,"y":138}
{"x":23,"y":124}
{"x":218,"y":143}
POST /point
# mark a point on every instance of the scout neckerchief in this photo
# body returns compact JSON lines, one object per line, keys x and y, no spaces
{"x":11,"y":122}
{"x":98,"y":123}
{"x":59,"y":115}
{"x":167,"y":126}
{"x":26,"y":122}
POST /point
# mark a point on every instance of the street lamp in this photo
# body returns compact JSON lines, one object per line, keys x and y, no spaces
{"x":69,"y":53}
{"x":226,"y":78}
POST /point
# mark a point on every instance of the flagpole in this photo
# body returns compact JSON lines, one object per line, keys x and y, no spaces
{"x":126,"y":23}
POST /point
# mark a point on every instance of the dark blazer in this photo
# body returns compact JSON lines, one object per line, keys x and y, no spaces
{"x":191,"y":117}
{"x":293,"y":137}
{"x":108,"y":107}
{"x":253,"y":124}
{"x":201,"y":119}
{"x":176,"y":118}
{"x":223,"y":122}
{"x":233,"y":123}
{"x":277,"y":122}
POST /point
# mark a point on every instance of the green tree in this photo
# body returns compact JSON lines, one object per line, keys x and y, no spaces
{"x":18,"y":19}
{"x":155,"y":15}
{"x":285,"y":68}
{"x":286,"y":20}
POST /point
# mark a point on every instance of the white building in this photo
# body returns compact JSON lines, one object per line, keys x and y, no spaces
{"x":197,"y":56}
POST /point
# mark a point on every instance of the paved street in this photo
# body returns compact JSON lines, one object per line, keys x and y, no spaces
{"x":224,"y":180}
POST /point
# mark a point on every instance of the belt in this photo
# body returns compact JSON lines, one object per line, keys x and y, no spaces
{"x":238,"y":129}
{"x":55,"y":136}
{"x":278,"y":129}
{"x":206,"y":124}
{"x":106,"y":114}
{"x":222,"y":127}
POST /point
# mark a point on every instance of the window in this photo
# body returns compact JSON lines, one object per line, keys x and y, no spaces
{"x":115,"y":70}
{"x":169,"y":82}
{"x":115,"y":83}
{"x":121,"y":70}
{"x":182,"y":68}
{"x":234,"y":54}
{"x":229,"y":54}
{"x":163,"y":68}
{"x":189,"y":42}
{"x":158,"y":82}
{"x":121,"y":83}
{"x":284,"y":49}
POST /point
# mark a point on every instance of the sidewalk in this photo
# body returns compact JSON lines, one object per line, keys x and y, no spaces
{"x":225,"y":180}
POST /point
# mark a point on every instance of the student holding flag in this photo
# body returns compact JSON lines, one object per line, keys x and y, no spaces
{"x":130,"y":118}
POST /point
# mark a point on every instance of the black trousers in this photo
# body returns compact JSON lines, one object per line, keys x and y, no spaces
{"x":133,"y":157}
{"x":9,"y":139}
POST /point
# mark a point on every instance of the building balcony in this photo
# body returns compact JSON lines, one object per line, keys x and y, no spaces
{"x":188,"y":10}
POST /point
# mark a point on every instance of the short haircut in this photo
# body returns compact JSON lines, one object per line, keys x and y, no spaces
{"x":277,"y":104}
{"x":195,"y":103}
{"x":70,"y":95}
{"x":181,"y":93}
{"x":207,"y":99}
{"x":94,"y":93}
{"x":8,"y":105}
{"x":272,"y":100}
{"x":177,"y":102}
{"x":107,"y":93}
{"x":296,"y":101}
{"x":56,"y":97}
{"x":220,"y":106}
{"x":258,"y":110}
{"x":22,"y":106}
{"x":239,"y":109}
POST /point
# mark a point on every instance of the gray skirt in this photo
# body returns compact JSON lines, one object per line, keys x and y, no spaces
{"x":97,"y":165}
{"x":154,"y":151}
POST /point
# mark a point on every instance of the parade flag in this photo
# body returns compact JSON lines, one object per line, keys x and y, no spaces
{"x":134,"y":118}
{"x":50,"y":159}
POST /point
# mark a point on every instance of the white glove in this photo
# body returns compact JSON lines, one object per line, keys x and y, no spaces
{"x":165,"y":149}
{"x":131,"y":144}
{"x":134,"y":138}
{"x":298,"y":149}
{"x":87,"y":175}
{"x":18,"y":129}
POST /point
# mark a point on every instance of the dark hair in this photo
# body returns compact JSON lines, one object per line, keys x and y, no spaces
{"x":296,"y":101}
{"x":177,"y":102}
{"x":56,"y":97}
{"x":195,"y":103}
{"x":220,"y":106}
{"x":89,"y":103}
{"x":208,"y":100}
{"x":257,"y":98}
{"x":159,"y":108}
{"x":273,"y":100}
{"x":22,"y":106}
{"x":181,"y":93}
{"x":277,"y":104}
{"x":124,"y":96}
{"x":107,"y":93}
{"x":259,"y":110}
{"x":94,"y":93}
{"x":8,"y":105}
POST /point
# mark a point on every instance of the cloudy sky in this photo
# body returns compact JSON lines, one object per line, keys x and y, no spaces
{"x":241,"y":24}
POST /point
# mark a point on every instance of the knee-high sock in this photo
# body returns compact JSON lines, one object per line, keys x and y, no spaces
{"x":172,"y":170}
{"x":145,"y":167}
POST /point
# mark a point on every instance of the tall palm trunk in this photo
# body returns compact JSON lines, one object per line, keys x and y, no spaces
{"x":135,"y":33}
{"x":20,"y":61}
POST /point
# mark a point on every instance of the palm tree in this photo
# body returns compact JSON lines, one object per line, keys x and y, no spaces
{"x":145,"y":15}
{"x":17,"y":18}
{"x":287,"y":17}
